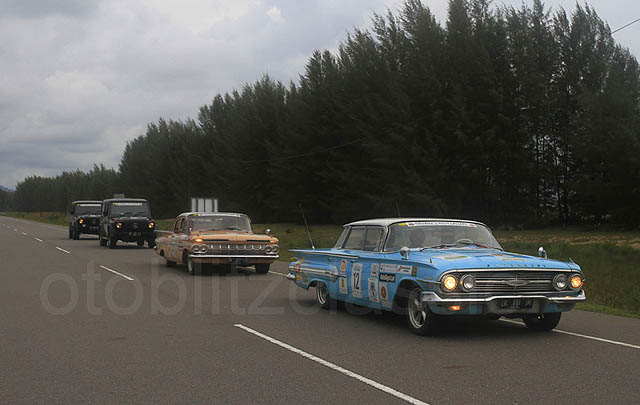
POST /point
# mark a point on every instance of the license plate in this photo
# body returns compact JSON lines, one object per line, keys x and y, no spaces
{"x":240,"y":260}
{"x":515,"y":303}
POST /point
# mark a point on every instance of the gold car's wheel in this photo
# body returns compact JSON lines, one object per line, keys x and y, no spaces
{"x":420,"y":318}
{"x":192,"y":267}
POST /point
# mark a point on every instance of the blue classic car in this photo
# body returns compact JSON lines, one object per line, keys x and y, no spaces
{"x":428,"y":268}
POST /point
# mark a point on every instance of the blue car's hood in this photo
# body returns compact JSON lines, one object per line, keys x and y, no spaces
{"x":470,"y":258}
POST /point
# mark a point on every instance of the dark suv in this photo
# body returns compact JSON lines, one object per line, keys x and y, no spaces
{"x":128,"y":220}
{"x":85,"y":218}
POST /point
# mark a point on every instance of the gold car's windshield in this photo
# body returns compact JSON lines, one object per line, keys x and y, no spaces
{"x":220,"y":223}
{"x":439,"y":234}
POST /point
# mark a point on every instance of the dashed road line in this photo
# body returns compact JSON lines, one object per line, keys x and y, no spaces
{"x":38,"y":239}
{"x":116,"y":272}
{"x":24,"y":233}
{"x":62,"y":250}
{"x":332,"y":366}
{"x":278,"y":273}
{"x":564,"y":332}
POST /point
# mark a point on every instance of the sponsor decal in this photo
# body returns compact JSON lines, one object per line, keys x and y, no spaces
{"x":342,"y":284}
{"x":404,"y":269}
{"x":373,"y":289}
{"x":343,"y":266}
{"x":440,"y":223}
{"x":388,"y":268}
{"x":507,"y":258}
{"x":388,"y":277}
{"x":414,"y":271}
{"x":451,"y":257}
{"x":374,"y":269}
{"x":298,"y":277}
{"x":356,"y":280}
{"x":384,"y":295}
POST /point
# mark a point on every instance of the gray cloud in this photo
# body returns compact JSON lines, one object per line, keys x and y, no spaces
{"x":80,"y":78}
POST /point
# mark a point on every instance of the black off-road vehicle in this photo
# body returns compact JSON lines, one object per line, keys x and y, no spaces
{"x":85,"y":218}
{"x":128,"y":220}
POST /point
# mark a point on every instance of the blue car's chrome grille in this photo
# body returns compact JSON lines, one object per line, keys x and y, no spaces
{"x":513,"y":281}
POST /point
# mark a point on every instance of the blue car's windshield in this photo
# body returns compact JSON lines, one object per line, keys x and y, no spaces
{"x":439,"y":234}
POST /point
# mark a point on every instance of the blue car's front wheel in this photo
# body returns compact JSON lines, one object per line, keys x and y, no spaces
{"x":420,"y":318}
{"x":322,"y":296}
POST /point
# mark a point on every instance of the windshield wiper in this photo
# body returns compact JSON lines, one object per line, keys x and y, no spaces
{"x":444,"y":245}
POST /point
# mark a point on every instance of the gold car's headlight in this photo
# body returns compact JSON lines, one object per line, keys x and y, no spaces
{"x":449,"y":283}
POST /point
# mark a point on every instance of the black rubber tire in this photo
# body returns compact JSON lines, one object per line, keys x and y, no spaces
{"x":170,"y":263}
{"x":151,"y":243}
{"x":70,"y":232}
{"x":140,"y":243}
{"x":262,"y":268}
{"x":192,"y":267}
{"x":322,"y":296}
{"x":103,"y":241}
{"x":76,"y":234}
{"x":420,"y":319}
{"x":542,"y":322}
{"x":112,"y":242}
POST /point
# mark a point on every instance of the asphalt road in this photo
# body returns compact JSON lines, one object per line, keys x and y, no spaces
{"x":82,"y":323}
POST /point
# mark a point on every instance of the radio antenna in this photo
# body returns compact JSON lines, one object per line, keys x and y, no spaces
{"x":305,"y":224}
{"x":398,"y":209}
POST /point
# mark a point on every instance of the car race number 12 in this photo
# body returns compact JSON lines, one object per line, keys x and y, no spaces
{"x":356,"y":280}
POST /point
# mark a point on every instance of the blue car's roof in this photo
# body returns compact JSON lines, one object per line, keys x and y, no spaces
{"x":391,"y":221}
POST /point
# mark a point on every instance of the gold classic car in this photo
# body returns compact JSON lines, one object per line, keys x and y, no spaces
{"x":199,"y":239}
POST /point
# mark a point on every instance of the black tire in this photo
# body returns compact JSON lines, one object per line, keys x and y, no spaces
{"x":542,"y":322}
{"x":70,"y":232}
{"x":322,"y":296}
{"x":112,"y":242}
{"x":170,"y":263}
{"x":262,"y":268}
{"x":151,"y":243}
{"x":76,"y":234}
{"x":103,"y":241}
{"x":140,"y":243}
{"x":193,"y":268}
{"x":420,"y":319}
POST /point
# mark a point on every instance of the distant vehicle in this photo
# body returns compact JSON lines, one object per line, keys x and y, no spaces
{"x":226,"y":239}
{"x":85,"y":218}
{"x":429,"y":268}
{"x":128,"y":220}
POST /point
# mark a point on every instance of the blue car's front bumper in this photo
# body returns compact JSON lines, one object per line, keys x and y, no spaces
{"x":491,"y":305}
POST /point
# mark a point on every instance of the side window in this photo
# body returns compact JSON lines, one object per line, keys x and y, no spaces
{"x":355,"y":240}
{"x":186,"y":226}
{"x":177,"y":227}
{"x":372,"y":238}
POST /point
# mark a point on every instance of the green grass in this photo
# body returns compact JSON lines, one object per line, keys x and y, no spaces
{"x":609,"y":259}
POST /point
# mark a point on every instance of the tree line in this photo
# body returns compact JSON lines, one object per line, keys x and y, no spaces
{"x":507,"y":115}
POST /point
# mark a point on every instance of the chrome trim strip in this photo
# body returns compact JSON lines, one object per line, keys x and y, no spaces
{"x":323,"y":272}
{"x":233,"y":256}
{"x":310,"y":252}
{"x":433,"y":298}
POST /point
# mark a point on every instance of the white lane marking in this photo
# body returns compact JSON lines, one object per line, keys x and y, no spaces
{"x":15,"y":230}
{"x":24,"y":233}
{"x":332,"y":366}
{"x":275,"y":272}
{"x":613,"y":342}
{"x":62,"y":250}
{"x":38,"y":239}
{"x":118,"y":273}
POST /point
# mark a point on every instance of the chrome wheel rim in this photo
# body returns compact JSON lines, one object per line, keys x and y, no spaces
{"x":322,"y":294}
{"x":417,"y":310}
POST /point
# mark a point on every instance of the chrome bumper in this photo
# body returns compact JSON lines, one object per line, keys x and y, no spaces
{"x":274,"y":257}
{"x":291,"y":277}
{"x":432,"y":298}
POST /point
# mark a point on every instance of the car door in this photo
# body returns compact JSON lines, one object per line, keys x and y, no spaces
{"x":369,"y":262}
{"x":350,"y":269}
{"x":172,"y":239}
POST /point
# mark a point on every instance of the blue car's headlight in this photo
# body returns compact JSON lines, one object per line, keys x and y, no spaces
{"x":468,"y":282}
{"x":560,"y":282}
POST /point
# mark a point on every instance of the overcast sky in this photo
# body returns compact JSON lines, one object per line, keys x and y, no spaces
{"x":80,"y":77}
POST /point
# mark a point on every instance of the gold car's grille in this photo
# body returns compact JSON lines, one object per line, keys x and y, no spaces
{"x":229,"y":247}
